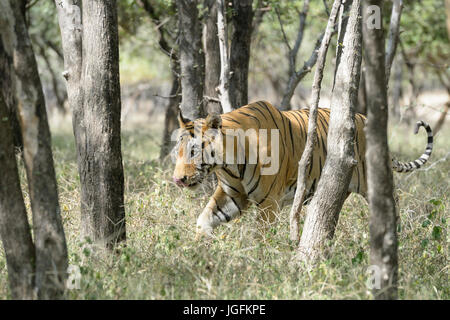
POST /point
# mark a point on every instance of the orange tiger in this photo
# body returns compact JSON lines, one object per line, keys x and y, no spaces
{"x":247,"y":180}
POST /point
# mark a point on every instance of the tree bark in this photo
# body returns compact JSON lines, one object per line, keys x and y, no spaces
{"x":332,"y":189}
{"x":7,"y":82}
{"x":102,"y":206}
{"x":305,"y":160}
{"x":212,"y":57}
{"x":224,"y":82}
{"x":241,"y":21}
{"x":362,"y":92}
{"x":91,"y":58}
{"x":14,"y":228}
{"x":383,"y":236}
{"x":50,"y":243}
{"x":170,"y":121}
{"x":192,"y":60}
{"x":393,"y":36}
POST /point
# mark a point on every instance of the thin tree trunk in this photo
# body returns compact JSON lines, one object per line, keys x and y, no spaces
{"x":192,"y":59}
{"x":383,"y":236}
{"x":397,"y":90}
{"x":292,"y":56}
{"x":53,"y":78}
{"x":362,"y":92}
{"x":393,"y":36}
{"x":14,"y":228}
{"x":212,"y":57}
{"x":50,"y":243}
{"x":240,"y":51}
{"x":91,"y":59}
{"x":224,"y":82}
{"x":332,"y":189}
{"x":305,"y":160}
{"x":170,"y":121}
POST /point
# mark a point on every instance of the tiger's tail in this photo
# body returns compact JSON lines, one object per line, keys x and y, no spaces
{"x":416,"y":164}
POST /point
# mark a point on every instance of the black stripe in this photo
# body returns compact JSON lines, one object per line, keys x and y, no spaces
{"x":229,"y":172}
{"x":255,"y":186}
{"x":251,"y":116}
{"x":232,"y":188}
{"x":234,"y":201}
{"x":231,"y":119}
{"x":430,"y":140}
{"x":271,"y":115}
{"x":292,"y":138}
{"x":256,"y":109}
{"x":270,"y":189}
{"x":227,"y":217}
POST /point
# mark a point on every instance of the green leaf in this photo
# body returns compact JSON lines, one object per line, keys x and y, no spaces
{"x":424,"y":242}
{"x":436,"y":233}
{"x":426,"y":223}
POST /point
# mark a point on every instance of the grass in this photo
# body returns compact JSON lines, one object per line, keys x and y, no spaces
{"x":163,"y":261}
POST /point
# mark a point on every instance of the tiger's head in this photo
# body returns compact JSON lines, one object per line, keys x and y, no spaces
{"x":197,"y":149}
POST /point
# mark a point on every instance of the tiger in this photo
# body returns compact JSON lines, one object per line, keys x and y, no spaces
{"x":242,"y":183}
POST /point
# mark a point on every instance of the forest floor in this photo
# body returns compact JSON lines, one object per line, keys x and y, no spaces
{"x":162,"y":260}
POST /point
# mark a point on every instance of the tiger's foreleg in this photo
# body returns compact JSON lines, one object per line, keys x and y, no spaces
{"x":221,"y":208}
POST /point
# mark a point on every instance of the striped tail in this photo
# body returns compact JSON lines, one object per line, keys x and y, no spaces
{"x":416,"y":164}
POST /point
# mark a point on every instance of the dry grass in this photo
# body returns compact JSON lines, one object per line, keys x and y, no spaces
{"x":163,"y":261}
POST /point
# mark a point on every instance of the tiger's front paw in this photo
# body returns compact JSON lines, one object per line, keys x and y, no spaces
{"x":203,"y":232}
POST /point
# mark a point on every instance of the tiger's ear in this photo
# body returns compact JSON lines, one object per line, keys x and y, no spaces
{"x":182,"y":121}
{"x":214,"y":121}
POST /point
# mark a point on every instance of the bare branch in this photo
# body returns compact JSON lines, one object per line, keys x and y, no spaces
{"x":305,"y":160}
{"x":224,"y":82}
{"x":393,"y":36}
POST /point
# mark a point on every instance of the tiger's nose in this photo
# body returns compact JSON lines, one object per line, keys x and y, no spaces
{"x":180,"y":182}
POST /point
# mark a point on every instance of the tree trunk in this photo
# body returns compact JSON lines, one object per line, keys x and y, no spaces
{"x":362,"y":92}
{"x":294,"y":78}
{"x":60,"y":97}
{"x":212,"y":57}
{"x":332,"y":189}
{"x":170,"y":121}
{"x":50,"y":243}
{"x":7,"y":88}
{"x":14,"y":227}
{"x":393,"y":36}
{"x":383,"y":237}
{"x":306,"y":158}
{"x":91,"y":59}
{"x":192,"y":59}
{"x":397,"y":90}
{"x":224,"y":82}
{"x":240,"y":51}
{"x":101,"y":171}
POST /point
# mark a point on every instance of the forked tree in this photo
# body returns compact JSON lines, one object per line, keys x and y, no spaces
{"x":89,"y":33}
{"x":332,"y":188}
{"x":306,"y":158}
